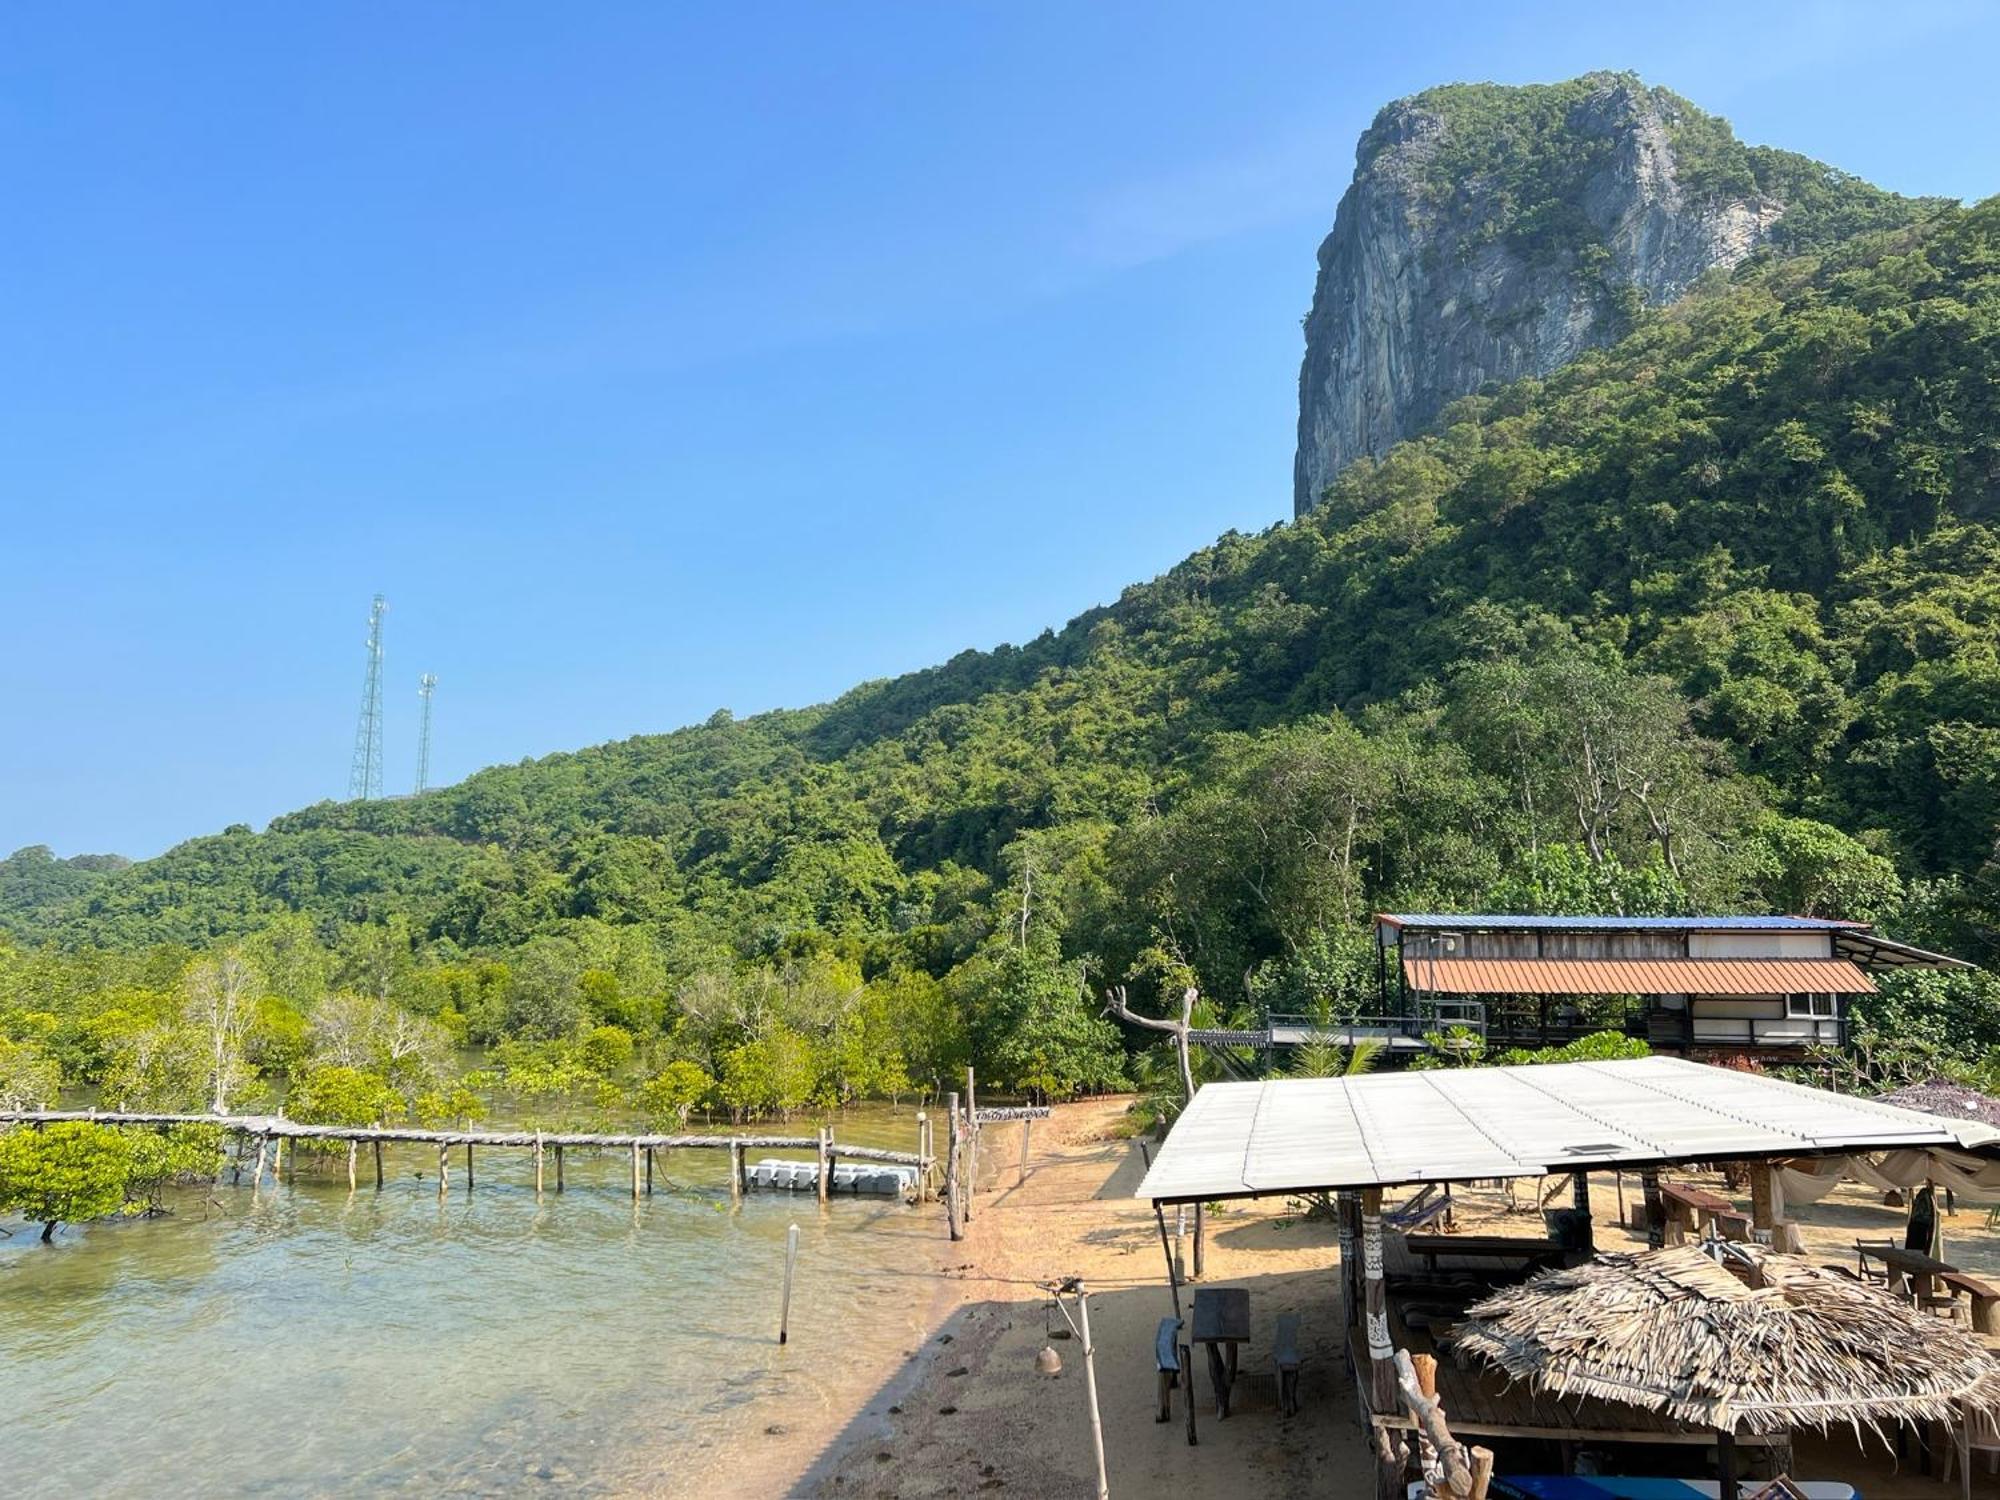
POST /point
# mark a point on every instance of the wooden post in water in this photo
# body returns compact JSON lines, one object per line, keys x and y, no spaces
{"x":970,"y":1148}
{"x":468,"y":1166}
{"x":735,"y":1170}
{"x":1027,"y":1125}
{"x":257,"y":1177}
{"x":278,"y":1160}
{"x":378,"y":1164}
{"x":825,"y":1163}
{"x":785,"y":1306}
{"x":1381,"y":1354}
{"x":635,"y":1171}
{"x":538,"y":1164}
{"x":444,"y":1170}
{"x":952,"y":1207}
{"x":649,"y":1171}
{"x":559,"y":1171}
{"x":353,"y":1151}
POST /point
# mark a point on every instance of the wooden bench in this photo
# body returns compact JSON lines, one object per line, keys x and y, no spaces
{"x":1985,"y":1299}
{"x":1285,"y":1355}
{"x":1167,"y":1355}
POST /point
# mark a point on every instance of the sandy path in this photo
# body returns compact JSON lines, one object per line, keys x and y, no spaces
{"x":972,"y":1414}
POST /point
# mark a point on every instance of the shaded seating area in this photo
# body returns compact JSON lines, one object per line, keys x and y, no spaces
{"x":1418,"y":1295}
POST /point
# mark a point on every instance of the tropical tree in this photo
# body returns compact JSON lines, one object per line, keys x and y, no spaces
{"x":64,"y":1173}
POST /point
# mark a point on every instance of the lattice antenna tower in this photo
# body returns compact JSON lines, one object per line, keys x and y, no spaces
{"x":426,"y":686}
{"x":365,"y":779}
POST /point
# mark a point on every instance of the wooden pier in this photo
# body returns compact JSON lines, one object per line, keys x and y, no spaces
{"x":270,"y":1132}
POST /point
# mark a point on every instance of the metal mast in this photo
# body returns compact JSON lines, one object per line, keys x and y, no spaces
{"x":365,"y":779}
{"x":426,"y":685}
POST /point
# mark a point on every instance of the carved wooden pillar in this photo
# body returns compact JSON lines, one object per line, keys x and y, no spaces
{"x":1381,"y":1353}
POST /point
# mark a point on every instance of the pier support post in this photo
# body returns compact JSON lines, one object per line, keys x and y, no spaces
{"x":353,"y":1154}
{"x":257,"y":1176}
{"x":969,"y":1147}
{"x":649,"y":1171}
{"x":444,"y":1170}
{"x":735,"y":1171}
{"x":635,"y":1171}
{"x":1381,"y":1354}
{"x":378,"y":1164}
{"x":538,"y":1164}
{"x":278,"y":1155}
{"x":825,"y":1162}
{"x":468,"y":1166}
{"x":953,"y":1206}
{"x":559,"y":1169}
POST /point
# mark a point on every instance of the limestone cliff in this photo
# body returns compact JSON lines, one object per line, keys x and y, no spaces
{"x":1492,"y":233}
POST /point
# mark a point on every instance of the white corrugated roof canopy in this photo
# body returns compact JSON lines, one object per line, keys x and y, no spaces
{"x":1289,"y":1135}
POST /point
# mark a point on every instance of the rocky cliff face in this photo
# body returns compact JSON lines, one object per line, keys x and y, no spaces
{"x":1492,"y":233}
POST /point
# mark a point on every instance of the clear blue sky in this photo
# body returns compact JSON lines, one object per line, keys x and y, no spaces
{"x":652,"y":361}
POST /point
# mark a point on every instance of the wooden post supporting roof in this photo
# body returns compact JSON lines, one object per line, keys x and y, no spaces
{"x":1345,"y":1212}
{"x":1381,"y":1354}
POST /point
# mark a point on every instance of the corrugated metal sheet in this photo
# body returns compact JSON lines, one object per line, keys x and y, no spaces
{"x":1291,"y":1135}
{"x":1635,"y":976}
{"x":1450,"y":921}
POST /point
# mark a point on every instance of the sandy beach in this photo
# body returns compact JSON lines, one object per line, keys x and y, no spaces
{"x":968,"y":1413}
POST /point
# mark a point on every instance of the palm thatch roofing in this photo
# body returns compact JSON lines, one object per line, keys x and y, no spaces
{"x":1672,"y":1331}
{"x":1942,"y":1097}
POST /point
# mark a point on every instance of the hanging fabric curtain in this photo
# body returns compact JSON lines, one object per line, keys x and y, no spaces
{"x":1808,"y":1181}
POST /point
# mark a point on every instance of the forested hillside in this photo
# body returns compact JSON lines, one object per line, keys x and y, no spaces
{"x":1708,"y":618}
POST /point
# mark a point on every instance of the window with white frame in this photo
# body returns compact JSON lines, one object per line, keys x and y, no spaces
{"x":1811,"y":1007}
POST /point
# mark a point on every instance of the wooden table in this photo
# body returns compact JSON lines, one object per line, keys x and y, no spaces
{"x":1922,"y":1269}
{"x":1688,"y":1206}
{"x":1482,"y":1247}
{"x":1222,"y":1322}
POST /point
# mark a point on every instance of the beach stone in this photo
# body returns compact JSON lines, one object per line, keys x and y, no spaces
{"x":954,"y":1374}
{"x":947,"y":1411}
{"x":777,"y":1429}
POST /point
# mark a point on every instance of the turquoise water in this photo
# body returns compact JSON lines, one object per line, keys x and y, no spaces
{"x":305,"y":1340}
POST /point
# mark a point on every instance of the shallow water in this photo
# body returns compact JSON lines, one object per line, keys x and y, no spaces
{"x":302,"y":1340}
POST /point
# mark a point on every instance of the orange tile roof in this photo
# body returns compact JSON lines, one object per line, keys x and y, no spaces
{"x":1636,"y":976}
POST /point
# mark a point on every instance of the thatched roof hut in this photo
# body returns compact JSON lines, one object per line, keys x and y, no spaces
{"x":1672,"y":1331}
{"x":1940,"y":1096}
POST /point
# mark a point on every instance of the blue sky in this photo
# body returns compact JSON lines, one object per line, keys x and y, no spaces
{"x":654,"y":359}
